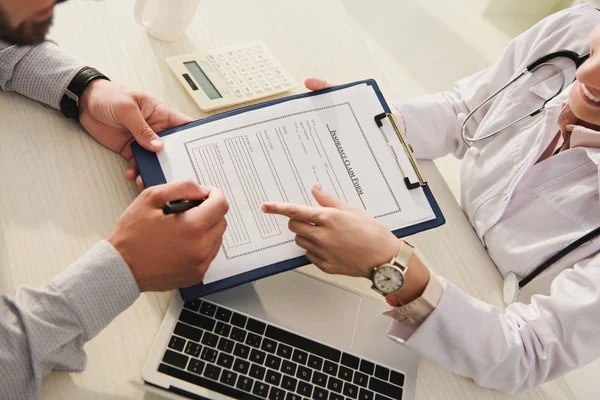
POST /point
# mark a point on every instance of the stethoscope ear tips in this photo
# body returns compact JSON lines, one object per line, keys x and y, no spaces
{"x":473,"y":151}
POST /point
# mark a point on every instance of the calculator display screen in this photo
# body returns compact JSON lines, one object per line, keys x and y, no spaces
{"x":200,"y":77}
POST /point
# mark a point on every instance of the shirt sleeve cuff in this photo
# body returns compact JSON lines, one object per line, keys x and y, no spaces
{"x":409,"y":317}
{"x":40,"y":72}
{"x":98,"y":286}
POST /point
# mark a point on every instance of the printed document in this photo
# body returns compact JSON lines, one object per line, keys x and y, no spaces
{"x":276,"y":153}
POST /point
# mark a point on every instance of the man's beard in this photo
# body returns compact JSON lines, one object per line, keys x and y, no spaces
{"x":26,"y":33}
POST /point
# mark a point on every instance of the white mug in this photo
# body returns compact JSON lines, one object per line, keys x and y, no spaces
{"x":168,"y":19}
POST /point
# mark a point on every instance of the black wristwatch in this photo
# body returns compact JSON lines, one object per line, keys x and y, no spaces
{"x":69,"y":103}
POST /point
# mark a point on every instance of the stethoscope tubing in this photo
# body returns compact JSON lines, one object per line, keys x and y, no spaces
{"x":558,"y":255}
{"x":511,"y":278}
{"x":573,"y":56}
{"x":463,"y":127}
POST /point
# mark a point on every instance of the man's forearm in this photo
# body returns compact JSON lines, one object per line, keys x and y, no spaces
{"x":40,"y":72}
{"x":44,"y":330}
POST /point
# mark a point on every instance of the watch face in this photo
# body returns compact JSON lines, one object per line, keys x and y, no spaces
{"x":388,"y":279}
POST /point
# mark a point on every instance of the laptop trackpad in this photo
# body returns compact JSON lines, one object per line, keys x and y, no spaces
{"x":300,"y":303}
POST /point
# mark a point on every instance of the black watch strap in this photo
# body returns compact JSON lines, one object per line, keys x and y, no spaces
{"x":69,"y":103}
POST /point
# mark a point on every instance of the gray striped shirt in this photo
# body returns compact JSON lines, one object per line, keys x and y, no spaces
{"x":45,"y":329}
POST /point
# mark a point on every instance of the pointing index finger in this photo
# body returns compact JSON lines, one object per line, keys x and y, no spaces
{"x":293,"y":211}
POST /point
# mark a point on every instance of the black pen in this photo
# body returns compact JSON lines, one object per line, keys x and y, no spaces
{"x":180,"y":205}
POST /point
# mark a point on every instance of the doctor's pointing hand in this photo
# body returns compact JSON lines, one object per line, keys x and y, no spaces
{"x":530,"y":189}
{"x":340,"y":238}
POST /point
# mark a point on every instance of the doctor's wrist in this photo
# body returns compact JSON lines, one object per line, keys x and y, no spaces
{"x":387,"y":249}
{"x":417,"y":277}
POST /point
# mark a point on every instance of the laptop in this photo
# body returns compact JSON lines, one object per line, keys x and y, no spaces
{"x":286,"y":337}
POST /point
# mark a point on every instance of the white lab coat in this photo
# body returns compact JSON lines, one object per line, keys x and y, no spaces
{"x":523,"y":212}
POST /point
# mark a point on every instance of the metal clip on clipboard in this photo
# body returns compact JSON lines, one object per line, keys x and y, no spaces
{"x":407,"y":149}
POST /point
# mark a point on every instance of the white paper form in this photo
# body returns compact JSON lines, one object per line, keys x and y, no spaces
{"x":276,"y":153}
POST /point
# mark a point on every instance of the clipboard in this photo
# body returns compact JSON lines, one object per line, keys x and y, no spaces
{"x":152,"y":174}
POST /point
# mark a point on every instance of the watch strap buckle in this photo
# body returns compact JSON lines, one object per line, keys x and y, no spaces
{"x":72,"y":96}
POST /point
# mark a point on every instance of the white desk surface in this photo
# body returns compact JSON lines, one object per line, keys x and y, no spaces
{"x":61,"y":192}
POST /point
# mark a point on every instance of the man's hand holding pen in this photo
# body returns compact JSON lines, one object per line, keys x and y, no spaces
{"x":174,"y":250}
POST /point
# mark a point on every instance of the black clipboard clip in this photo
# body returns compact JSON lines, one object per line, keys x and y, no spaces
{"x":407,"y":149}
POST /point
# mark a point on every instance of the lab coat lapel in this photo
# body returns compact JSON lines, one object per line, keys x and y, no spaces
{"x":504,"y":159}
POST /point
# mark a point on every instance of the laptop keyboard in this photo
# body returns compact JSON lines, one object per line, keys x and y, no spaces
{"x":245,"y":358}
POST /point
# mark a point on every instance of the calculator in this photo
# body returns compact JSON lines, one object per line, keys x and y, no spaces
{"x":230,"y":75}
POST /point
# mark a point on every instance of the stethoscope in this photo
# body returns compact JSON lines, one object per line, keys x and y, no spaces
{"x":512,"y":285}
{"x":531,"y":68}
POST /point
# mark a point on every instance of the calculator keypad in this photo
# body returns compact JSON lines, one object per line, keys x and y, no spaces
{"x":249,"y":72}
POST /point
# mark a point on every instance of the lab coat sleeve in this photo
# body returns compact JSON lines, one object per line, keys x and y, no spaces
{"x":431,"y":121}
{"x":526,"y":345}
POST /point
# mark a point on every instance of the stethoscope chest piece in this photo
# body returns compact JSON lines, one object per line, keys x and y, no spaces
{"x":510,"y":290}
{"x":473,"y":151}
